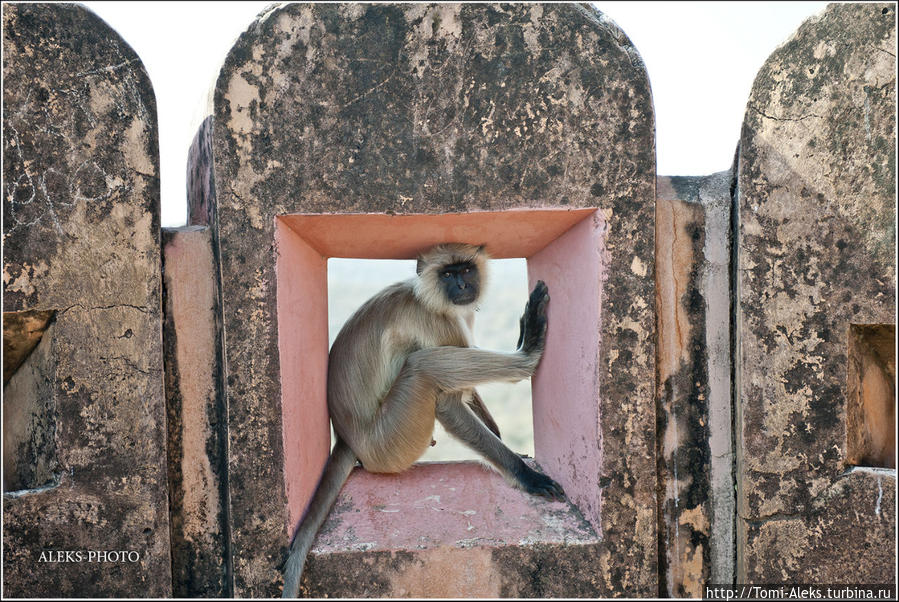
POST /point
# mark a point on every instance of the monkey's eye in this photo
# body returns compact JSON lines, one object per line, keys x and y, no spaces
{"x":466,"y":270}
{"x":445,"y":275}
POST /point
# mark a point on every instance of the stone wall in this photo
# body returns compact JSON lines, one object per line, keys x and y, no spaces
{"x":816,"y":255}
{"x":194,"y":380}
{"x":434,"y":109}
{"x":744,"y":347}
{"x":81,"y":241}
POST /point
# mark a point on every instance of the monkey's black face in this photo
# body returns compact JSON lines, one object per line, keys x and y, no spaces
{"x":461,"y":282}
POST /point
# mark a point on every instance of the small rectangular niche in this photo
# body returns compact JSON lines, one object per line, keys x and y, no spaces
{"x":29,"y":401}
{"x":563,"y":247}
{"x":871,"y":396}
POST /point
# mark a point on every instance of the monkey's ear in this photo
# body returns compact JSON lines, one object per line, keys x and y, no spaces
{"x":419,"y":266}
{"x":481,"y":248}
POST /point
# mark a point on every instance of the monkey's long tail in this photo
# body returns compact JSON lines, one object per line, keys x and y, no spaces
{"x":338,"y":468}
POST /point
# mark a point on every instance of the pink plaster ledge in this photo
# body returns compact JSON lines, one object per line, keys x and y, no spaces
{"x":437,"y":505}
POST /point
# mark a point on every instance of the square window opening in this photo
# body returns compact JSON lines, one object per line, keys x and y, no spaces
{"x":565,"y":248}
{"x":29,"y":401}
{"x":871,"y":396}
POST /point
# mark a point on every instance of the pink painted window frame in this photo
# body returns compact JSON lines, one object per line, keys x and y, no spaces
{"x":565,"y":248}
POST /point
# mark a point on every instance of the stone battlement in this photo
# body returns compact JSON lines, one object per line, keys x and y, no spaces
{"x":717,"y":396}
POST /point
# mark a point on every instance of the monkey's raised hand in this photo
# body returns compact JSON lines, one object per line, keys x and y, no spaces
{"x":532,"y":337}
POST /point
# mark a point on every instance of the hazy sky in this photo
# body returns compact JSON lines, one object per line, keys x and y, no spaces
{"x":701,"y":57}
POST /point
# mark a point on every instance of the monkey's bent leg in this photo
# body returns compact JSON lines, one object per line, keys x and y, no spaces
{"x":335,"y":474}
{"x":400,"y":432}
{"x":459,"y":368}
{"x":458,"y":419}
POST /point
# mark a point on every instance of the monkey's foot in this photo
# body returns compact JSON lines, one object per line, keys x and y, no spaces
{"x":537,"y":483}
{"x":533,"y":322}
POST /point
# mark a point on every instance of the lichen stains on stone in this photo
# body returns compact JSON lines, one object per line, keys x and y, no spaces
{"x":80,"y":235}
{"x":242,"y":95}
{"x":137,"y":155}
{"x":820,"y":542}
{"x":817,"y":229}
{"x":682,"y":428}
{"x":366,"y":72}
{"x":65,"y":116}
{"x":831,"y":98}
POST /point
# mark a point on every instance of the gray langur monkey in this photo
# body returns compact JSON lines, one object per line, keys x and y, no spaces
{"x":405,"y":358}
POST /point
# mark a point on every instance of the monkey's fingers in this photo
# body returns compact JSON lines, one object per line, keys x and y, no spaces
{"x":533,"y":322}
{"x":521,"y":328}
{"x":542,"y":291}
{"x":539,"y":300}
{"x":537,"y":483}
{"x":536,"y":296}
{"x":553,"y":491}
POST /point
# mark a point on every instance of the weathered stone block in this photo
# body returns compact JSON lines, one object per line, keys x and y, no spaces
{"x":197,"y":416}
{"x":450,"y":530}
{"x":81,"y":238}
{"x":816,"y":190}
{"x":847,"y":534}
{"x":430,"y":110}
{"x":694,"y":422}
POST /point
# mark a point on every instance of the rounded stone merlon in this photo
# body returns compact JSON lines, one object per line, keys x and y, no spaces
{"x":817,"y":230}
{"x":450,"y":107}
{"x":81,"y":155}
{"x":433,"y":109}
{"x":816,"y":250}
{"x":81,"y":238}
{"x":820,"y":125}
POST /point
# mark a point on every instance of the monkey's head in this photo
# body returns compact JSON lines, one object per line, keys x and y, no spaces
{"x":451,"y":276}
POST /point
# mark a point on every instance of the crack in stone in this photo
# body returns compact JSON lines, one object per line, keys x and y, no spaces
{"x":777,"y":516}
{"x":130,"y":363}
{"x":53,"y":484}
{"x":115,"y":305}
{"x":109,"y":69}
{"x":773,"y":118}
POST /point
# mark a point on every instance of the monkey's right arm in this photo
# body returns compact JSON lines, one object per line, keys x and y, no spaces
{"x":530,"y":342}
